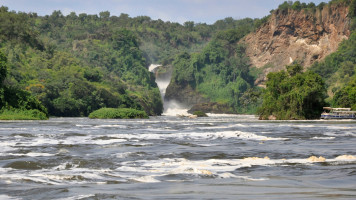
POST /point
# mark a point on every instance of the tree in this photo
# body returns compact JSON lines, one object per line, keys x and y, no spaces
{"x":3,"y":69}
{"x":104,"y":15}
{"x":293,"y":95}
{"x":346,"y":96}
{"x":3,"y":72}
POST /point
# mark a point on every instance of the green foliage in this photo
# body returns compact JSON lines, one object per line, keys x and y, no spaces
{"x":79,"y":63}
{"x":18,"y":27}
{"x":338,"y":68}
{"x":18,"y":114}
{"x":259,"y":22}
{"x":297,"y":5}
{"x":200,"y":113}
{"x":285,"y":5}
{"x":221,"y":71}
{"x":81,"y":69}
{"x":294,"y":95}
{"x":294,"y":69}
{"x":352,"y":9}
{"x":250,"y":100}
{"x":352,"y":15}
{"x":346,"y":96}
{"x":118,"y":113}
{"x":21,"y":99}
{"x":3,"y":68}
{"x":17,"y":104}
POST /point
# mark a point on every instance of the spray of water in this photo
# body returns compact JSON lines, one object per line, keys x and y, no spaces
{"x":170,"y":108}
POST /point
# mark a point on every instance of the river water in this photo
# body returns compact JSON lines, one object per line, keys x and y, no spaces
{"x":218,"y":157}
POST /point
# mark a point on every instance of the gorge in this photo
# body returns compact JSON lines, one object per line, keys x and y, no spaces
{"x":163,"y":75}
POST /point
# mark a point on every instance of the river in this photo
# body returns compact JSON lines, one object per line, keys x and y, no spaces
{"x":218,"y":157}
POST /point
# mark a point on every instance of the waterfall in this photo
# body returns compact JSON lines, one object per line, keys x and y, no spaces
{"x":170,"y":108}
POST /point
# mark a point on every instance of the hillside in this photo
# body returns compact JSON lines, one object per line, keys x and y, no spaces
{"x":219,"y":74}
{"x":223,"y":76}
{"x":74,"y":73}
{"x":75,"y":64}
{"x":297,"y":34}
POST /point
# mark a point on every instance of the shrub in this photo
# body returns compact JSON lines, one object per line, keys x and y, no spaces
{"x":200,"y":113}
{"x":18,"y":114}
{"x":118,"y":113}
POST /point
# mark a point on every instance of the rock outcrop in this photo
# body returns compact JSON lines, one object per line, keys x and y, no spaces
{"x":304,"y":36}
{"x":184,"y":94}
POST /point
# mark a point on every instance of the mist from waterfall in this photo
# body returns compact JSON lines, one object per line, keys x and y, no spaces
{"x":170,"y":108}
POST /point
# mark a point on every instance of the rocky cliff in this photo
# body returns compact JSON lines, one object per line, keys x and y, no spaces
{"x":304,"y":36}
{"x":184,"y":94}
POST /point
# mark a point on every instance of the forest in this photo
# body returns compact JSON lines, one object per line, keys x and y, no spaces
{"x":73,"y":65}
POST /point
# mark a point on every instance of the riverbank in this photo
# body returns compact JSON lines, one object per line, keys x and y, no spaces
{"x":17,"y":114}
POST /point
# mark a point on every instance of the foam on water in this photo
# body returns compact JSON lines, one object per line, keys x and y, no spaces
{"x":153,"y":67}
{"x":341,"y":134}
{"x":226,"y":135}
{"x":146,"y":179}
{"x":222,"y":168}
{"x":78,"y":197}
{"x":30,"y":154}
{"x":87,"y":154}
{"x":5,"y":197}
{"x":201,"y":135}
{"x":175,"y":109}
{"x":148,"y":171}
{"x":323,"y":138}
{"x":110,"y":126}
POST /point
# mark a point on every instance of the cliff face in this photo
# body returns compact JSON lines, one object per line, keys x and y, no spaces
{"x":304,"y":36}
{"x":184,"y":94}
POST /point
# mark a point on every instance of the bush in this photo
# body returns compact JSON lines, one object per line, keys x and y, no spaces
{"x":293,"y":95}
{"x":118,"y":113}
{"x":200,"y":113}
{"x":18,"y":114}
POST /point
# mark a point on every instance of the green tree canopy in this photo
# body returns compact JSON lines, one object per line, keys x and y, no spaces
{"x":3,"y":68}
{"x":293,"y":95}
{"x":346,"y":96}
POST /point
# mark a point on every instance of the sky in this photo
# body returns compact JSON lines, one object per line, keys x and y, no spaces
{"x":199,"y":11}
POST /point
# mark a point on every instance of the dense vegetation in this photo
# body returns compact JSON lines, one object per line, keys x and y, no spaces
{"x":76,"y":64}
{"x":297,"y":5}
{"x":71,"y":72}
{"x":220,"y":72}
{"x":16,"y":103}
{"x":293,"y":94}
{"x":297,"y":95}
{"x":118,"y":113}
{"x":339,"y":68}
{"x":200,"y":113}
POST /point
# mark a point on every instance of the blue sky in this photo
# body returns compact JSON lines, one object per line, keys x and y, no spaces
{"x":199,"y":11}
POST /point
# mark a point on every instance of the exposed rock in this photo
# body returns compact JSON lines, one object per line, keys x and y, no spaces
{"x":272,"y":117}
{"x":163,"y":72}
{"x":193,"y":116}
{"x":316,"y":159}
{"x":184,"y":94}
{"x":304,"y":36}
